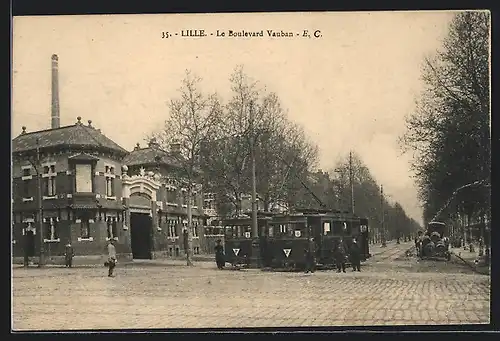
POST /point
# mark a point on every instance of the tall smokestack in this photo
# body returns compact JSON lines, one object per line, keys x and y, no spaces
{"x":55,"y":92}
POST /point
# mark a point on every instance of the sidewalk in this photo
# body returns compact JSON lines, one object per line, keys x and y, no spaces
{"x":471,"y":259}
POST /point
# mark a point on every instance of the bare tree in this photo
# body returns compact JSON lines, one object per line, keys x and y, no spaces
{"x":194,"y":119}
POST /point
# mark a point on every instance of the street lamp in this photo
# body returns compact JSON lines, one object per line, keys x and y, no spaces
{"x":384,"y":243}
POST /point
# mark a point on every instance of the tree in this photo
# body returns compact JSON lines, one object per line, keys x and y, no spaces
{"x":253,"y":120}
{"x":449,"y":132}
{"x":193,"y":120}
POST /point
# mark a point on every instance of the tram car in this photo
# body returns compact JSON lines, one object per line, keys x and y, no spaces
{"x":238,"y":238}
{"x":435,"y":244}
{"x":289,"y":234}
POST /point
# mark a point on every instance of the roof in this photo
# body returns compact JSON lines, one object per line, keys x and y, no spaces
{"x":151,"y":156}
{"x":73,"y":135}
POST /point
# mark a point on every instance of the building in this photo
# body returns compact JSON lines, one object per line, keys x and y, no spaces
{"x":92,"y":190}
{"x":163,"y":196}
{"x":79,"y":170}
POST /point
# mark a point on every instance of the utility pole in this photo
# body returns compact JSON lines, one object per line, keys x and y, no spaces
{"x":351,"y":182}
{"x":41,"y":261}
{"x":382,"y":220}
{"x":255,"y":228}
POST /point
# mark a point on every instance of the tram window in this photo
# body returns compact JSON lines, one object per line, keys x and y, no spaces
{"x":326,"y":228}
{"x":355,"y":228}
{"x":347,"y":227}
{"x":271,"y":231}
{"x":338,"y":227}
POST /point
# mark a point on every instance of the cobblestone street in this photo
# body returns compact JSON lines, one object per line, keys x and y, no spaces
{"x":173,"y":296}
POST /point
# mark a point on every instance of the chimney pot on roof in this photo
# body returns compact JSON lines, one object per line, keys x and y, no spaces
{"x":90,"y":123}
{"x":137,"y":146}
{"x":24,"y":130}
{"x":79,"y":118}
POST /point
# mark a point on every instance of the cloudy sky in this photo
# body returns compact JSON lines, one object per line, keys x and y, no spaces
{"x":350,"y":88}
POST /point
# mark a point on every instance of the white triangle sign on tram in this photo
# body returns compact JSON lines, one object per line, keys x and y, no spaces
{"x":236,"y":251}
{"x":287,"y":252}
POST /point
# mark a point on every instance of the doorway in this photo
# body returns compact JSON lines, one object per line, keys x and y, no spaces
{"x":141,"y":229}
{"x":29,"y":244}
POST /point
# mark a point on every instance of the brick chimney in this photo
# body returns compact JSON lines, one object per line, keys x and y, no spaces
{"x":55,"y":93}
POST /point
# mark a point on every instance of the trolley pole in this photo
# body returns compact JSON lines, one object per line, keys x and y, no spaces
{"x":41,"y":262}
{"x":382,"y":232}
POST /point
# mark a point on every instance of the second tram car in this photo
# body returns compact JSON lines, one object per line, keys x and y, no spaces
{"x":288,"y":236}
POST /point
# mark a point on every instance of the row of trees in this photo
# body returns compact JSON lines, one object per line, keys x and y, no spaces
{"x":335,"y":190}
{"x":216,"y":143}
{"x":449,"y":133}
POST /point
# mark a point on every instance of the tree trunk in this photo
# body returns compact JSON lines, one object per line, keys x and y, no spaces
{"x":189,"y":250}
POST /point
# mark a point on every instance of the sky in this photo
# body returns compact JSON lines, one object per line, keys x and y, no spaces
{"x":350,"y":88}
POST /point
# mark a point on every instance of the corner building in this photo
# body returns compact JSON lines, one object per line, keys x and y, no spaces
{"x":81,"y":192}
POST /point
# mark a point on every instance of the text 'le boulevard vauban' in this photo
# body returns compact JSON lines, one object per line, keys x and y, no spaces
{"x":245,"y":33}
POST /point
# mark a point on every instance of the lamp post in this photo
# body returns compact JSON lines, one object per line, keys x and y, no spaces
{"x":384,"y":244}
{"x":255,"y":258}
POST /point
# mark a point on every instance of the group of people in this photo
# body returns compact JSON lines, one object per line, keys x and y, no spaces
{"x":341,"y":253}
{"x":110,"y":263}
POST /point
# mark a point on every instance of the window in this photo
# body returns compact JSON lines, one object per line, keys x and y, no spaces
{"x":195,"y":229}
{"x":109,"y":172}
{"x":49,"y":181}
{"x":83,"y":178}
{"x":26,"y":188}
{"x":326,"y":228}
{"x":51,"y":229}
{"x":171,"y":196}
{"x":184,"y":198}
{"x":171,"y":228}
{"x":84,"y":227}
{"x":26,"y":178}
{"x":112,"y":231}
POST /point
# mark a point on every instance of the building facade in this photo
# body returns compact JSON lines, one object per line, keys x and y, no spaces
{"x":68,"y":180}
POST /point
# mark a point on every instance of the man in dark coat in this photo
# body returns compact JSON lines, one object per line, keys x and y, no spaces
{"x":310,"y":256}
{"x":219,"y":255}
{"x":68,"y":255}
{"x":340,"y":254}
{"x":355,"y":256}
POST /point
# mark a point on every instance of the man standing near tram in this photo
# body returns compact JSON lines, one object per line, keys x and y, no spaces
{"x":310,"y":256}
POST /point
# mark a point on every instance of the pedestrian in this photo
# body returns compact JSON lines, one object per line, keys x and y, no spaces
{"x":418,"y":243}
{"x":355,"y":256}
{"x":68,"y":255}
{"x":340,"y":255}
{"x":310,"y":253}
{"x":219,"y":255}
{"x":111,"y":263}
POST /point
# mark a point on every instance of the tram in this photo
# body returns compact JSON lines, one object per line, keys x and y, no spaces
{"x":238,"y":238}
{"x":289,"y":234}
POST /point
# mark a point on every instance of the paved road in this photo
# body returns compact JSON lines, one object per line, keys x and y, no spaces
{"x":401,"y":292}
